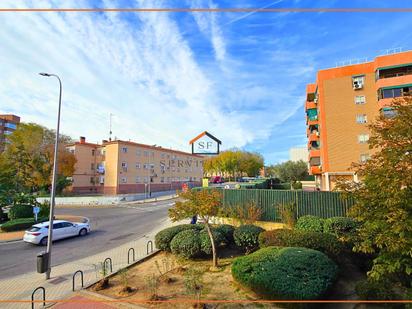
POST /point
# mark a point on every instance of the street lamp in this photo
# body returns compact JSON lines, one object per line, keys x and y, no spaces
{"x":54,"y":179}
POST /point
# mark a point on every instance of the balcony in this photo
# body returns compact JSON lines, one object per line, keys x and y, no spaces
{"x":313,"y":137}
{"x":394,"y":81}
{"x":315,"y":170}
{"x":313,"y":153}
{"x":310,"y":105}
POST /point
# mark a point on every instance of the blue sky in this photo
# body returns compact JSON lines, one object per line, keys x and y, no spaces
{"x":167,"y":77}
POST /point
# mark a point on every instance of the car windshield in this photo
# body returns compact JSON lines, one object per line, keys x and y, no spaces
{"x":34,"y":229}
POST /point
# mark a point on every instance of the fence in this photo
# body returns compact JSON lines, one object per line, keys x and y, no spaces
{"x":321,"y":204}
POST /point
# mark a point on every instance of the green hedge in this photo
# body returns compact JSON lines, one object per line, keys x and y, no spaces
{"x":246,"y":237}
{"x":340,"y":226}
{"x":20,"y":211}
{"x":310,"y":223}
{"x":286,"y":273}
{"x":164,"y":237}
{"x":186,"y":244}
{"x":20,"y":224}
{"x":227,"y":231}
{"x":325,"y":243}
{"x":206,"y":245}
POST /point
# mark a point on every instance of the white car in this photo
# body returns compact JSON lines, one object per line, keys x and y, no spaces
{"x":37,"y":234}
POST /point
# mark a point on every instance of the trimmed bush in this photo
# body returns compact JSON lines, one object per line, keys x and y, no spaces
{"x":310,"y":223}
{"x":325,"y":243}
{"x":186,"y":244}
{"x":164,"y":237}
{"x":227,"y":231}
{"x":340,"y":226}
{"x":286,"y":273}
{"x":206,"y":245}
{"x":247,"y":237}
{"x":376,"y":290}
{"x":20,"y":211}
{"x":20,"y":224}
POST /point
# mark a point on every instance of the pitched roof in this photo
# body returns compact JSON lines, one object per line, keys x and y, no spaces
{"x":203,"y":134}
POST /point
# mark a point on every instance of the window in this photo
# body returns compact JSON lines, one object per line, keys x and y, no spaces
{"x":145,"y":179}
{"x":152,"y":166}
{"x":92,"y":166}
{"x":66,"y":224}
{"x":152,"y":154}
{"x":358,"y":82}
{"x":137,"y":179}
{"x":138,"y":153}
{"x":363,"y":138}
{"x":388,"y":112}
{"x":93,"y":152}
{"x":361,"y":118}
{"x":92,"y":180}
{"x":102,"y":152}
{"x":138,"y":166}
{"x":145,"y":153}
{"x":391,"y":93}
{"x":360,"y":99}
{"x":124,"y":179}
{"x":162,"y":179}
{"x":364,"y":157}
{"x":10,"y":125}
{"x":124,"y":166}
{"x":57,"y":226}
{"x":162,"y":155}
{"x":124,"y":149}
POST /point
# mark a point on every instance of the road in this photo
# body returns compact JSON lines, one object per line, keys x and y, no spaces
{"x":111,"y":227}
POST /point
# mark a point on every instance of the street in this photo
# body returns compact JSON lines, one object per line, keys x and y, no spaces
{"x":110,"y":227}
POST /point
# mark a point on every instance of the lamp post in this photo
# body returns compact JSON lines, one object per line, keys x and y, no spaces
{"x":54,"y":179}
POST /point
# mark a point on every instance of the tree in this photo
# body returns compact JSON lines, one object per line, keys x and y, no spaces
{"x":234,"y":163}
{"x":29,"y":158}
{"x":203,"y":203}
{"x":289,"y":171}
{"x":383,"y":198}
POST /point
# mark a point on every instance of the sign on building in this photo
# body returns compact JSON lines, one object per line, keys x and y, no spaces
{"x":205,"y":144}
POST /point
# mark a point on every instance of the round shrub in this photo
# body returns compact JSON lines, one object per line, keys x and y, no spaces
{"x":227,"y":231}
{"x":322,"y":242}
{"x":310,"y":223}
{"x":206,"y":245}
{"x":21,"y":211}
{"x":286,"y":273}
{"x":186,"y":244}
{"x":247,"y":237}
{"x":340,"y":226}
{"x":164,"y":237}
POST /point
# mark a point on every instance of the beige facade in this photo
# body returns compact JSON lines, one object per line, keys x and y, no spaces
{"x":127,"y":167}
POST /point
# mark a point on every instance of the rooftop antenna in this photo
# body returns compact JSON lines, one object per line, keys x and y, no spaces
{"x":110,"y":127}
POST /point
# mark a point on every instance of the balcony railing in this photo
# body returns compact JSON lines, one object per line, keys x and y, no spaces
{"x":316,"y":170}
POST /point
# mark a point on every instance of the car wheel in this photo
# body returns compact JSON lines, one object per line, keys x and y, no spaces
{"x":82,"y":232}
{"x":43,"y":241}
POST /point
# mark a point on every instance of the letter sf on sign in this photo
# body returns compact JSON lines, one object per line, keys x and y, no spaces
{"x":205,"y":144}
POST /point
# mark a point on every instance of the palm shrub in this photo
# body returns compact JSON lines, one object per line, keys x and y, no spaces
{"x":164,"y":237}
{"x":310,"y":223}
{"x":286,"y":273}
{"x":247,"y":237}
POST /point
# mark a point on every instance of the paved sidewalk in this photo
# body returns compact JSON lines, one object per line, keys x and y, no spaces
{"x":11,"y":236}
{"x":60,"y":285}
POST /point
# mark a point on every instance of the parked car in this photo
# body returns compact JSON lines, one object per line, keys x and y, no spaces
{"x":37,"y":234}
{"x":216,"y":179}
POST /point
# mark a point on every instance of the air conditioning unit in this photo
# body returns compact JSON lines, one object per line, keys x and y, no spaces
{"x":357,"y":86}
{"x":315,"y":100}
{"x":317,"y":134}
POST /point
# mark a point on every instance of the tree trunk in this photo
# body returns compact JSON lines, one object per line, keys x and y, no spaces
{"x":212,"y":241}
